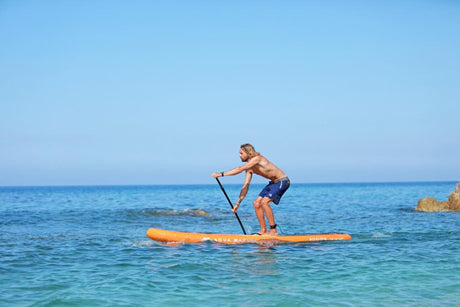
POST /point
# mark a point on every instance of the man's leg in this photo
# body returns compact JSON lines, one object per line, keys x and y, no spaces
{"x":258,"y":203}
{"x":269,"y":214}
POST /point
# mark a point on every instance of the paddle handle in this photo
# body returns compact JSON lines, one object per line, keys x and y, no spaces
{"x":231,"y":205}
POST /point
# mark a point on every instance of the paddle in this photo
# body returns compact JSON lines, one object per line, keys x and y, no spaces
{"x":236,"y":214}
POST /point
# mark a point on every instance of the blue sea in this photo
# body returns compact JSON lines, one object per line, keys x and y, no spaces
{"x":86,"y":246}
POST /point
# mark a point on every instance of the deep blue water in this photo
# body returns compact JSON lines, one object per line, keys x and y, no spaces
{"x":86,"y":246}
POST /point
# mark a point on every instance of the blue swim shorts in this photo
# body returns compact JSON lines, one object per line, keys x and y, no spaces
{"x":274,"y":190}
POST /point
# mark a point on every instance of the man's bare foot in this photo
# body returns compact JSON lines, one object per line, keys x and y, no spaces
{"x":260,"y":233}
{"x":272,"y":232}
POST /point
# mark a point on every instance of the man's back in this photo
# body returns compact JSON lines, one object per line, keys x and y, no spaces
{"x":263,"y":167}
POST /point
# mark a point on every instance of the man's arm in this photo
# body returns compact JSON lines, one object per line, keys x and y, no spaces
{"x":239,"y":169}
{"x":244,"y":190}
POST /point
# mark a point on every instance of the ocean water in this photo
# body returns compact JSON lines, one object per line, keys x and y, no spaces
{"x":86,"y":246}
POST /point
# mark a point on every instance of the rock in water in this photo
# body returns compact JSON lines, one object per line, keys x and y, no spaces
{"x":454,"y":201}
{"x":430,"y":204}
{"x":457,"y":188}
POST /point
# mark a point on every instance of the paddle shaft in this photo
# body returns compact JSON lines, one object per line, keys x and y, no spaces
{"x":231,"y":205}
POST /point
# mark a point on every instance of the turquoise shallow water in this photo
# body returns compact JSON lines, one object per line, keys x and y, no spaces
{"x":86,"y":246}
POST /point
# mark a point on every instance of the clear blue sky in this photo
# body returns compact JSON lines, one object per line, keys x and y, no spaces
{"x":165,"y":92}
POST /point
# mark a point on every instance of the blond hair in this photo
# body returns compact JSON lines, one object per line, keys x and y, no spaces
{"x":249,"y":149}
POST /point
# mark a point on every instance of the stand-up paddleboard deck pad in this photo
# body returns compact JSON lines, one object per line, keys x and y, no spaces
{"x":193,"y":237}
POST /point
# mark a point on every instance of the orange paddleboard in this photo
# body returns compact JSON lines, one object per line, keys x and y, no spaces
{"x":192,"y":237}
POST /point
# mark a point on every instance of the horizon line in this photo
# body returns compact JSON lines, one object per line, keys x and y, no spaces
{"x":209,"y":184}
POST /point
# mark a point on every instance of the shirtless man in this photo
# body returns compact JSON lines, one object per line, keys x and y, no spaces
{"x":279,"y":183}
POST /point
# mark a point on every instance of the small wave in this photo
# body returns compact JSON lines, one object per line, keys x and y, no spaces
{"x":185,"y":212}
{"x":143,"y":243}
{"x":381,"y":235}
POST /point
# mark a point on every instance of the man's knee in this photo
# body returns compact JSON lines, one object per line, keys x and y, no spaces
{"x":258,"y":202}
{"x":264,"y":202}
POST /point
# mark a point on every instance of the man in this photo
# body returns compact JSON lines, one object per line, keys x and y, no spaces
{"x":279,"y":183}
